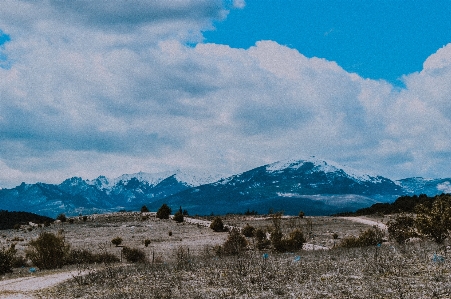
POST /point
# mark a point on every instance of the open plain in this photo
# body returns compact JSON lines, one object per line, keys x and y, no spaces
{"x":183,"y":262}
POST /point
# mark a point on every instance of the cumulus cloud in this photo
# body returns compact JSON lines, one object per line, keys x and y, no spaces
{"x":106,"y":88}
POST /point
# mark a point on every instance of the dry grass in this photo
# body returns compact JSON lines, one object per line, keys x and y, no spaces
{"x":184,"y":265}
{"x":385,"y":272}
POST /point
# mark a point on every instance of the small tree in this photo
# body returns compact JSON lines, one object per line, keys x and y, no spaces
{"x":48,"y":251}
{"x":144,"y":209}
{"x":248,"y":230}
{"x":164,"y":211}
{"x":217,"y":225}
{"x":117,"y":241}
{"x":295,"y":240}
{"x":401,"y":228}
{"x":61,"y":217}
{"x":178,"y":216}
{"x":436,"y":221}
{"x":235,"y":243}
{"x":301,"y":214}
{"x":7,"y":257}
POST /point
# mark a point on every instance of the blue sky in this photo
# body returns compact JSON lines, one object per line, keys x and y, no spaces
{"x":91,"y":88}
{"x":376,"y":39}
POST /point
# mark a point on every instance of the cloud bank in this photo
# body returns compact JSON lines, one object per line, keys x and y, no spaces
{"x":112,"y":87}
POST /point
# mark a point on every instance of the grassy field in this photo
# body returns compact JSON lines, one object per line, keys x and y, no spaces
{"x":185,"y":264}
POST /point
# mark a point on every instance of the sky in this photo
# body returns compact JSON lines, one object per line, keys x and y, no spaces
{"x":91,"y":88}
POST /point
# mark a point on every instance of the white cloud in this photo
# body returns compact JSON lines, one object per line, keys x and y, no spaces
{"x":84,"y":99}
{"x":239,"y":4}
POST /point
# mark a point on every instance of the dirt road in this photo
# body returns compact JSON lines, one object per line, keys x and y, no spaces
{"x":366,"y":221}
{"x":24,"y":287}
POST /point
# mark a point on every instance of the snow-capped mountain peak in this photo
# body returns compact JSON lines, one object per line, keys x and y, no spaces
{"x":320,"y":165}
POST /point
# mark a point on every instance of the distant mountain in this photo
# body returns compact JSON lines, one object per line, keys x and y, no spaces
{"x":75,"y":195}
{"x":317,"y":187}
{"x":429,"y":187}
{"x":313,"y":185}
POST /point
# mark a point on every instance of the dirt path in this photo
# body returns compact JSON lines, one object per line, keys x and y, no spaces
{"x":24,"y":287}
{"x":366,"y":221}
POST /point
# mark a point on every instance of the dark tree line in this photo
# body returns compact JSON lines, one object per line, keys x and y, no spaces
{"x":9,"y":219}
{"x":403,"y":204}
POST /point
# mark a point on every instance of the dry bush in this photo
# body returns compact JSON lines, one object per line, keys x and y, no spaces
{"x":261,"y":238}
{"x":389,"y":271}
{"x":48,"y":251}
{"x":7,"y":257}
{"x":435,"y":222}
{"x":402,"y":228}
{"x":133,"y":255}
{"x":235,"y":243}
{"x":217,"y":225}
{"x":248,"y":230}
{"x":370,"y":237}
{"x":83,"y":256}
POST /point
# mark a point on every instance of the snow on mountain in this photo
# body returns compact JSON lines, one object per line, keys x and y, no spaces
{"x":322,"y":165}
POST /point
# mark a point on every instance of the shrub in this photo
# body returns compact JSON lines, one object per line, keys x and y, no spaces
{"x":85,"y":218}
{"x":301,"y":214}
{"x":83,"y":256}
{"x":235,"y":243}
{"x":7,"y":257}
{"x":144,"y":209}
{"x":435,"y":222}
{"x":146,"y":242}
{"x":369,"y":237}
{"x":295,"y":240}
{"x":217,"y":225}
{"x":170,"y":233}
{"x":61,"y":217}
{"x":262,"y":240}
{"x":248,"y":230}
{"x":71,"y":220}
{"x":117,"y":241}
{"x":133,"y":255}
{"x":48,"y":251}
{"x":178,"y":217}
{"x":276,"y":240}
{"x":401,"y":228}
{"x":163,"y":212}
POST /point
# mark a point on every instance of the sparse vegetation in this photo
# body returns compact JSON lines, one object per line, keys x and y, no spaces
{"x":168,"y":270}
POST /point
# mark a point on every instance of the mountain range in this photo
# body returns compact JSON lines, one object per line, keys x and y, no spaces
{"x":312,"y":185}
